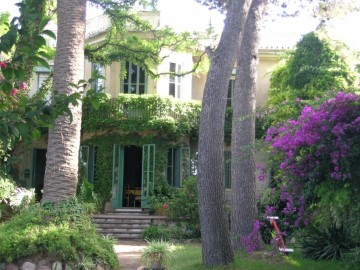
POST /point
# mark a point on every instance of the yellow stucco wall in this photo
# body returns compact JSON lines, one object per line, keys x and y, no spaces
{"x":268,"y":60}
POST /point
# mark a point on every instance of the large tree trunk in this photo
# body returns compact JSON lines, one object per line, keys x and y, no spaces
{"x":216,"y":244}
{"x":64,"y":139}
{"x":243,"y":178}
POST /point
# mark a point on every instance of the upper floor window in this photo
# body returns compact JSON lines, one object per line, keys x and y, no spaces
{"x":135,"y":79}
{"x":230,"y":93}
{"x":175,"y":81}
{"x":99,"y":83}
{"x":41,"y":75}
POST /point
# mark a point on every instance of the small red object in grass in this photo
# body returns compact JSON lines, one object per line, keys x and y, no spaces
{"x":280,"y":243}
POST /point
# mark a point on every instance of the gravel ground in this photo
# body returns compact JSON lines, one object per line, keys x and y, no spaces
{"x":129,"y":253}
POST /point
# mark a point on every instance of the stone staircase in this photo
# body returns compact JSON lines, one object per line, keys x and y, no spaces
{"x":125,"y":223}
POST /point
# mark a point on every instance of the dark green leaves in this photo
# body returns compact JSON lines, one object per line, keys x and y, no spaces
{"x":8,"y":73}
{"x":41,"y":62}
{"x":49,"y":34}
{"x":8,"y":40}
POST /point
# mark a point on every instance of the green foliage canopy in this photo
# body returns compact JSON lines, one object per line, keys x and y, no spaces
{"x":132,"y":38}
{"x":311,"y":70}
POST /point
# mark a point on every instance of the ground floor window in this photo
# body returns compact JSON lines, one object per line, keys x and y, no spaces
{"x":87,"y":162}
{"x":178,"y":165}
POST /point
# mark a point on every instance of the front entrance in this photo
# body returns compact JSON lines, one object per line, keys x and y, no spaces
{"x":133,"y":175}
{"x":38,"y":172}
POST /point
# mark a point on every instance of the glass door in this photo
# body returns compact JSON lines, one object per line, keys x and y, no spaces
{"x":118,"y":176}
{"x":148,"y":173}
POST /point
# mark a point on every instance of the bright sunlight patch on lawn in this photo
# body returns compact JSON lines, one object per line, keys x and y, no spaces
{"x":188,"y":257}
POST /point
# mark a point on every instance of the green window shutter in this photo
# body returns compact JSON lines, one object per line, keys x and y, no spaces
{"x":227,"y":157}
{"x":84,"y":160}
{"x":177,"y":170}
{"x":118,"y":174}
{"x":170,"y":167}
{"x":185,"y":163}
{"x":91,"y":164}
{"x":87,"y":161}
{"x":178,"y":167}
{"x":148,"y":173}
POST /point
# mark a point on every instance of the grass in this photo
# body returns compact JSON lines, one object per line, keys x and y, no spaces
{"x":189,"y":257}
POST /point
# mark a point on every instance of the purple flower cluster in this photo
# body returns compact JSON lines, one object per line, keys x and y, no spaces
{"x":263,"y":174}
{"x":317,"y":146}
{"x":319,"y":137}
{"x":251,"y":241}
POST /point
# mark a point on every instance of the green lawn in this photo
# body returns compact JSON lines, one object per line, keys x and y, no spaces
{"x":188,"y":257}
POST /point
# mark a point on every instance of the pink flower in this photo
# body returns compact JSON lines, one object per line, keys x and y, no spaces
{"x":165,"y":206}
{"x":14,"y":91}
{"x":2,"y":64}
{"x":23,"y":86}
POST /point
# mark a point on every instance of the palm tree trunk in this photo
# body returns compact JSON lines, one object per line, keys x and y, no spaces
{"x":61,"y":171}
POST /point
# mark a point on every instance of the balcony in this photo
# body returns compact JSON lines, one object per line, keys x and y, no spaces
{"x":134,"y":113}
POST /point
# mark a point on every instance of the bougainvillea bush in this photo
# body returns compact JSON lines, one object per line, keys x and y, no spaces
{"x":316,"y":163}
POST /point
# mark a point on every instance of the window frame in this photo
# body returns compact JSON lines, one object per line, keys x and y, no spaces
{"x":96,"y":85}
{"x":127,"y":80}
{"x":178,"y":168}
{"x":175,"y":81}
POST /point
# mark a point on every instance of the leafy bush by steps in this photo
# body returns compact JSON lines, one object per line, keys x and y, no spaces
{"x":13,"y":198}
{"x":166,"y":233}
{"x":62,"y":231}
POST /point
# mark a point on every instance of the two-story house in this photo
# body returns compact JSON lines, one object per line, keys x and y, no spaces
{"x":145,"y":136}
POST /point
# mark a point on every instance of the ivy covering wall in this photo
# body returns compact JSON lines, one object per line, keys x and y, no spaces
{"x":104,"y":157}
{"x":136,"y":113}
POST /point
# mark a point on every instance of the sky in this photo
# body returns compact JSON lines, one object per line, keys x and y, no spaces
{"x":187,"y":15}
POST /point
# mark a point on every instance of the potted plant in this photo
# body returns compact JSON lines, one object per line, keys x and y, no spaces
{"x":156,"y":255}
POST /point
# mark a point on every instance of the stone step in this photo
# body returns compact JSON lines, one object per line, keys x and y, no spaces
{"x":125,"y":236}
{"x":122,"y":225}
{"x":121,"y":221}
{"x":119,"y":230}
{"x":127,"y":216}
{"x":125,"y":223}
{"x":129,"y":210}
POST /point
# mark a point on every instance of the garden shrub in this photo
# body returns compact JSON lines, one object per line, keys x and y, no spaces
{"x":327,"y":243}
{"x":307,"y":74}
{"x":180,"y":205}
{"x":316,"y":167}
{"x":157,"y":232}
{"x":166,"y":232}
{"x":63,"y":232}
{"x":86,"y":194}
{"x":314,"y":67}
{"x":12,"y":198}
{"x":352,"y":259}
{"x":183,"y":206}
{"x":160,"y":197}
